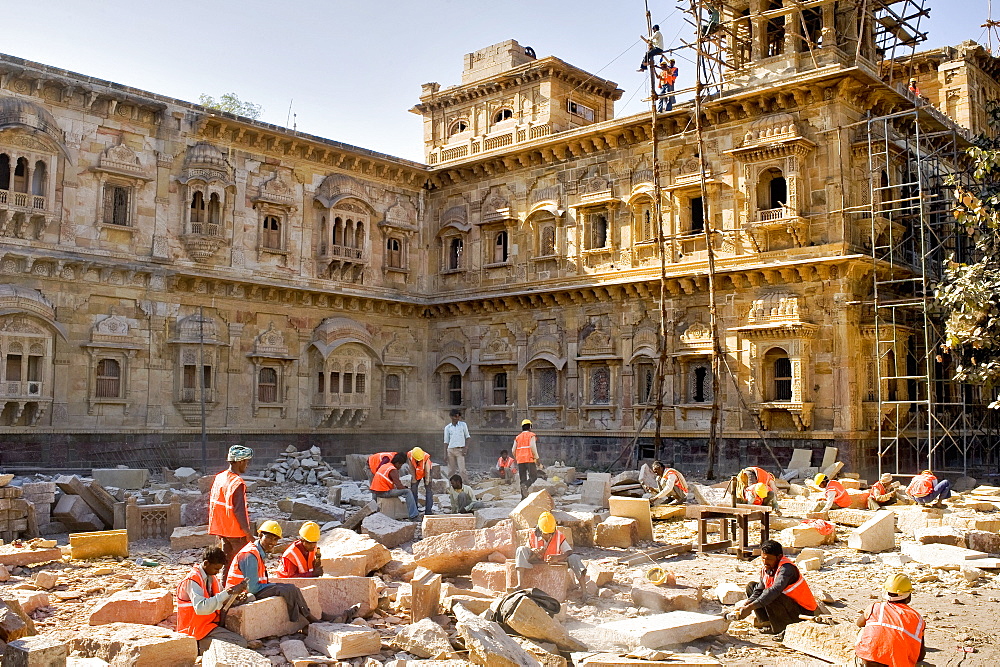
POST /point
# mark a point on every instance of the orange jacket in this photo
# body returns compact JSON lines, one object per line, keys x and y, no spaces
{"x":678,"y":479}
{"x":842,"y":497}
{"x":236,"y":575}
{"x":763,"y":476}
{"x":375,"y":461}
{"x":296,"y":563}
{"x":893,"y":635}
{"x":799,"y":591}
{"x":189,"y":622}
{"x":503,"y":463}
{"x":553,"y":548}
{"x":418,"y":466}
{"x":382,"y":482}
{"x":522,"y":447}
{"x":922,"y":485}
{"x":221,"y":509}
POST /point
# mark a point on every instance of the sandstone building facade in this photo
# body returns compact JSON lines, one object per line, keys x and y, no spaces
{"x":157,"y":257}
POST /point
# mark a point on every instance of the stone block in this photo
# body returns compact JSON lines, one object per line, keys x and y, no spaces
{"x":29,"y":601}
{"x":666,"y":598}
{"x":849,"y":517}
{"x":357,"y":467}
{"x":811,"y":564}
{"x":387,"y":531}
{"x":578,"y":526}
{"x":911,"y":517}
{"x":5,"y":479}
{"x":147,"y":607}
{"x":670,"y":660}
{"x":490,"y":576}
{"x":12,"y":625}
{"x":660,"y":630}
{"x":439,"y":524}
{"x":488,"y":644}
{"x":132,"y":645}
{"x":972,"y":523}
{"x":490,"y":516}
{"x":474,"y":604}
{"x":346,"y":566}
{"x":47,"y":579}
{"x":634,"y":508}
{"x":192,"y":537}
{"x":596,"y":489}
{"x":99,"y":544}
{"x":525,"y":515}
{"x":343,"y":542}
{"x":729,"y":593}
{"x":617,"y":531}
{"x":940,"y":535}
{"x":269,"y":617}
{"x":981,"y":540}
{"x":425,"y":639}
{"x":833,"y":643}
{"x":11,"y":557}
{"x":393,"y":507}
{"x":123,"y":478}
{"x":304,"y":509}
{"x":894,"y":559}
{"x":294,"y":649}
{"x":457,"y":552}
{"x":74,"y":511}
{"x":876,"y":534}
{"x":551,"y":578}
{"x":224,"y":654}
{"x":338,"y":594}
{"x":942,"y":555}
{"x":599,"y":574}
{"x":341,"y":641}
{"x":37,"y":651}
{"x":425,"y":594}
{"x":804,"y":536}
{"x":530,"y":620}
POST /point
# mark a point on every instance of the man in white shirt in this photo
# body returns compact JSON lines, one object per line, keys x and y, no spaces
{"x":456,"y":439}
{"x":655,"y":44}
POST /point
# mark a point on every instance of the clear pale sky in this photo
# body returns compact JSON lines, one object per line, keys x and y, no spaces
{"x":353,"y":69}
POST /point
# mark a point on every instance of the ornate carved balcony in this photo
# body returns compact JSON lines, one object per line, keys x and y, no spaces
{"x":782,"y":218}
{"x":23,"y":215}
{"x":341,"y":262}
{"x":203,"y":241}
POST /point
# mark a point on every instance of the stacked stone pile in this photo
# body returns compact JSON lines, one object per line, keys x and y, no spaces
{"x":13,"y":510}
{"x":305,"y":467}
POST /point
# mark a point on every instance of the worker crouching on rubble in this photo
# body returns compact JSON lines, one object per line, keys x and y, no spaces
{"x":834,"y":493}
{"x":748,"y":487}
{"x":883,"y":492}
{"x":200,"y":602}
{"x":547,"y":544}
{"x":926,"y":489}
{"x":302,"y":558}
{"x":250,"y":566}
{"x":893,"y":634}
{"x":780,"y":596}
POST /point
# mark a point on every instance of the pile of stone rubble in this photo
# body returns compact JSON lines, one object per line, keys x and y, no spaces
{"x":305,"y":467}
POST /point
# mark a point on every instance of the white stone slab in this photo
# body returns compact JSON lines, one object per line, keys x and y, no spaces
{"x":659,"y":630}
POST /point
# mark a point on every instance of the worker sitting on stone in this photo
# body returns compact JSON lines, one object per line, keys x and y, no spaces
{"x":651,"y":477}
{"x":780,"y":596}
{"x":893,"y":632}
{"x":200,"y":601}
{"x":834,"y":493}
{"x":250,"y":566}
{"x":883,"y":492}
{"x":506,"y":467}
{"x":386,"y":484}
{"x":302,"y":558}
{"x":925,"y":489}
{"x":420,"y":466}
{"x":749,"y":478}
{"x":375,"y":461}
{"x":463,"y":498}
{"x":547,"y":544}
{"x":673,"y":488}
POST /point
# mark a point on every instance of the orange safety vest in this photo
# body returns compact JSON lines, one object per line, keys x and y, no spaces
{"x":553,"y":548}
{"x":418,"y":466}
{"x":236,"y":574}
{"x":678,"y":480}
{"x":221,"y":515}
{"x":296,"y":563}
{"x":842,"y":497}
{"x":893,"y":635}
{"x":922,"y":485}
{"x":375,"y":461}
{"x":878,"y":489}
{"x":763,"y":476}
{"x":522,"y":447}
{"x":382,"y":482}
{"x":799,"y":591}
{"x":505,"y":463}
{"x":189,"y":622}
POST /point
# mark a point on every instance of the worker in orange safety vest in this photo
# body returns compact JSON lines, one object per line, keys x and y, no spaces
{"x":747,"y":482}
{"x":228,"y":510}
{"x":925,"y":489}
{"x":302,"y":558}
{"x":547,"y":544}
{"x":893,"y":634}
{"x":780,"y":596}
{"x":421,"y":467}
{"x":386,"y":484}
{"x":526,"y":456}
{"x":834,"y":494}
{"x":200,"y":601}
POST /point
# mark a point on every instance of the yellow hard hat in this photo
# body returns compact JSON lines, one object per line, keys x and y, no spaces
{"x":761,"y":490}
{"x":270,"y":526}
{"x":898,"y":584}
{"x":526,"y":422}
{"x":418,"y":454}
{"x":819,"y":479}
{"x":309,"y":531}
{"x":546,"y":522}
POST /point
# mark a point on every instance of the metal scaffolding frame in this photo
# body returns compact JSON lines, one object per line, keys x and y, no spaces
{"x":925,"y":419}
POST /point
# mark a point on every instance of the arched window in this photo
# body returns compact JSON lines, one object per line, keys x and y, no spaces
{"x":267,"y":385}
{"x":454,"y":389}
{"x":455,"y":248}
{"x":502,"y":115}
{"x":393,"y":390}
{"x":645,"y":382}
{"x":197,"y":211}
{"x":393,"y":253}
{"x":214,"y":214}
{"x":500,"y":389}
{"x":780,"y":368}
{"x":547,"y":246}
{"x":4,"y":171}
{"x":21,"y":175}
{"x":600,"y":385}
{"x":545,"y":385}
{"x":500,"y":247}
{"x":359,"y":234}
{"x":772,"y":190}
{"x":109,"y":379}
{"x":457,"y":127}
{"x":271,"y":232}
{"x":38,"y":177}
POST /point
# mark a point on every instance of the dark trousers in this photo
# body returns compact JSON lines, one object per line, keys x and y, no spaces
{"x":781,"y":613}
{"x":528,"y":472}
{"x":290,"y":594}
{"x":428,"y":494}
{"x":648,"y":60}
{"x":231,"y":546}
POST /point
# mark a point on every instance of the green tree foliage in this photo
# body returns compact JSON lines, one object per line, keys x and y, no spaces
{"x":232,"y":103}
{"x":970,"y":292}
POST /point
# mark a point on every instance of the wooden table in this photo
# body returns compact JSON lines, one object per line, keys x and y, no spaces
{"x":734,"y":522}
